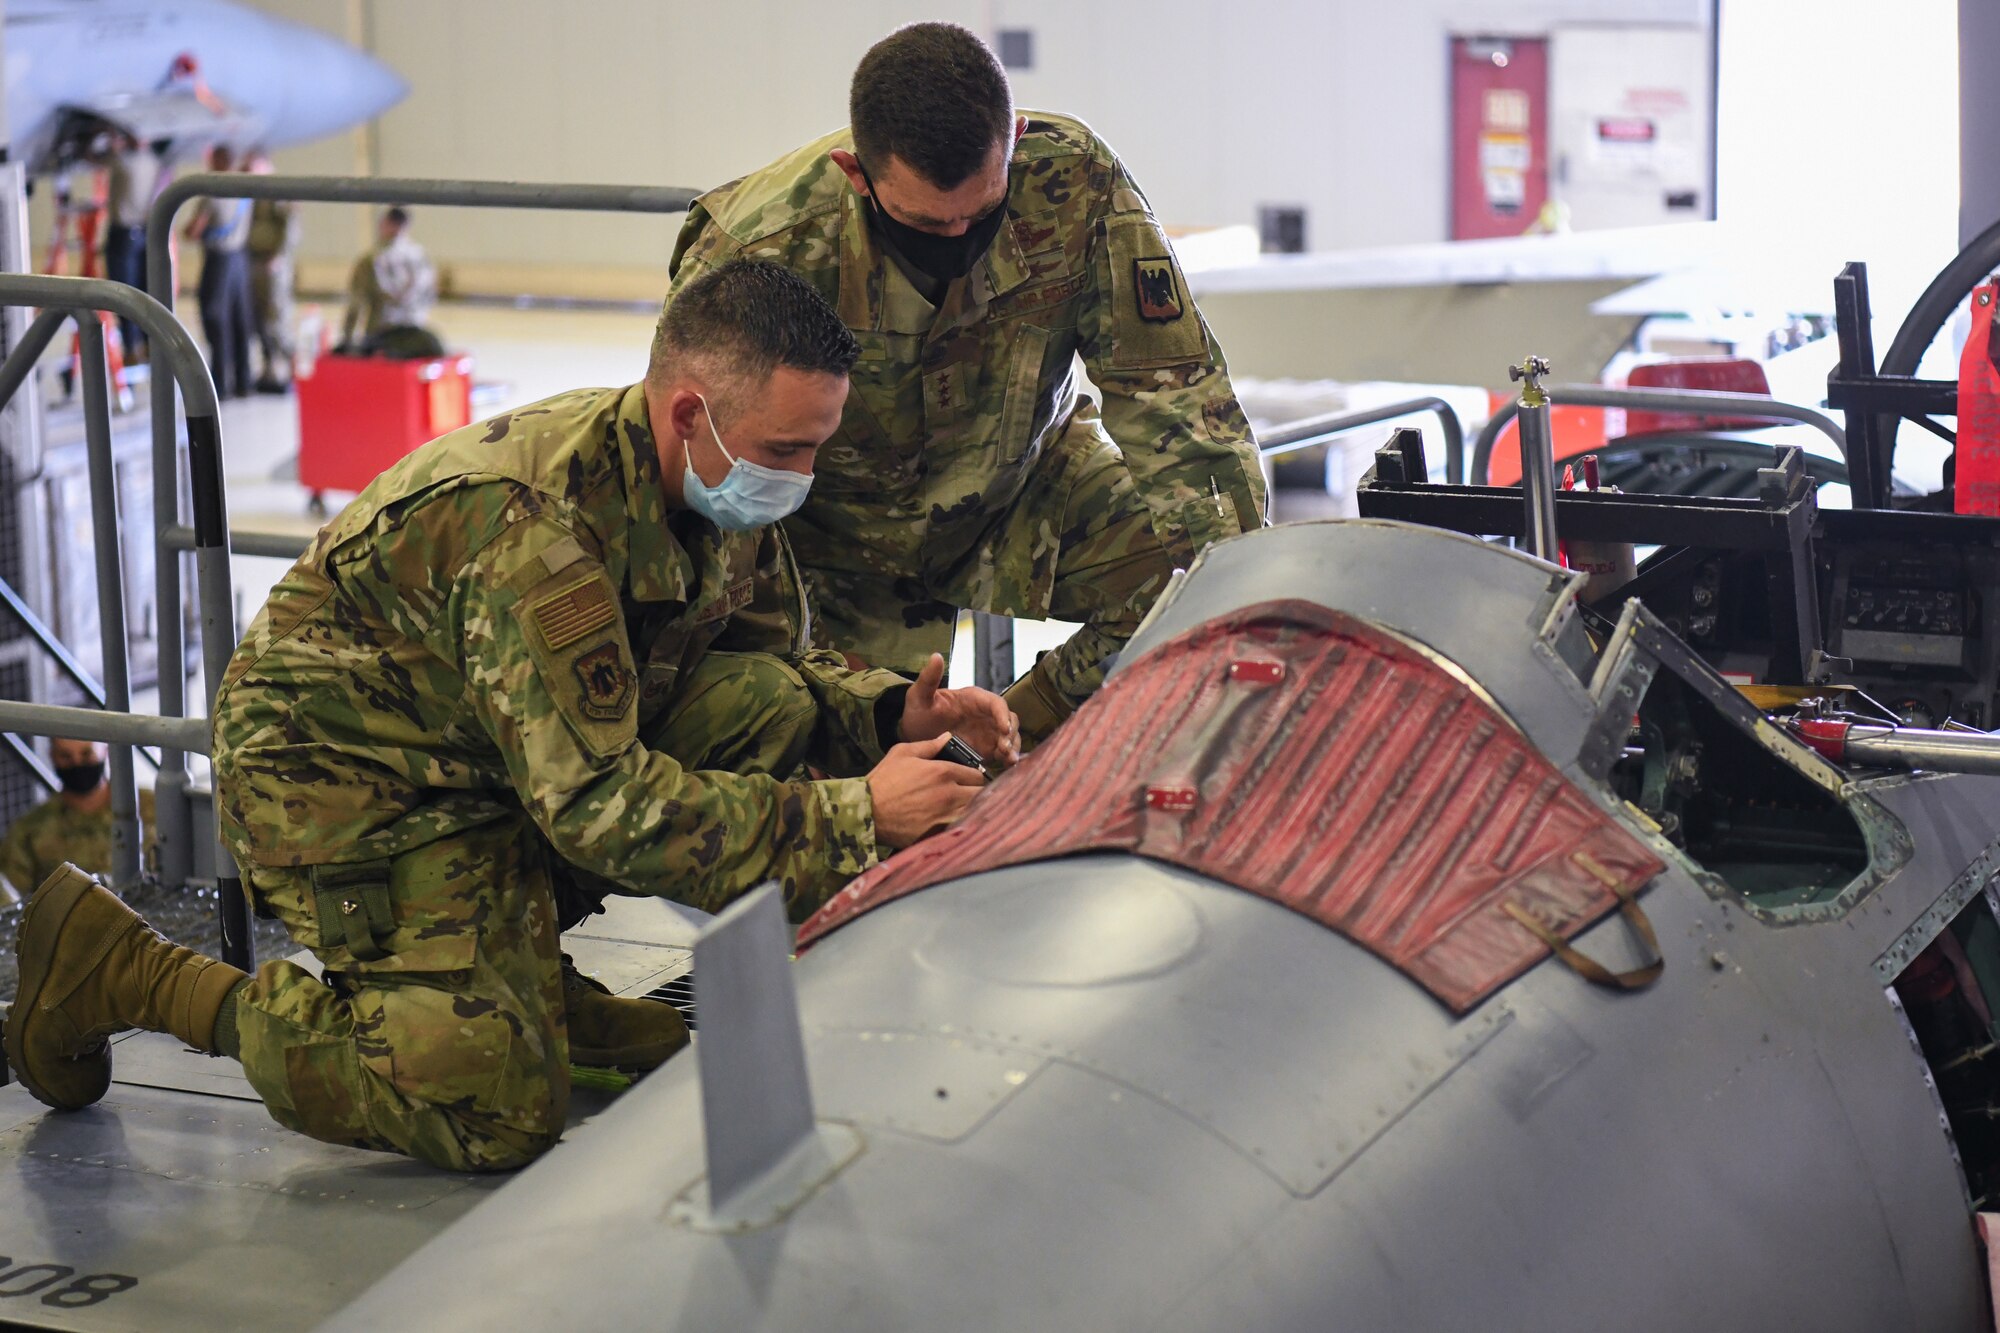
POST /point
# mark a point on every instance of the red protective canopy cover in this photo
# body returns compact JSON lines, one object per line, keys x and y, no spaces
{"x":1313,"y":759}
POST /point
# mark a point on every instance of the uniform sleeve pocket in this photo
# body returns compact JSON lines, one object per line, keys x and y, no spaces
{"x":575,"y":635}
{"x":1153,"y":318}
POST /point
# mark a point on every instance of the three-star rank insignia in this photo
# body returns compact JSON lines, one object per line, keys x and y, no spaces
{"x":607,"y":685}
{"x":1157,"y":289}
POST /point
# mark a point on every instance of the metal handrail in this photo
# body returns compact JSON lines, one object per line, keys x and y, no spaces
{"x":360,"y":190}
{"x":1314,"y":430}
{"x":1700,"y":402}
{"x":209,"y":536}
{"x":32,"y":761}
{"x":44,"y":637}
{"x":81,"y":299}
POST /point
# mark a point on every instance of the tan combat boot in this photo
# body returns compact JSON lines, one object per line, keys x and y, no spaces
{"x":90,"y":967}
{"x":617,"y":1033}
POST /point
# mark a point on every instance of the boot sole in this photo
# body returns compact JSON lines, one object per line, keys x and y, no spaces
{"x":41,"y":922}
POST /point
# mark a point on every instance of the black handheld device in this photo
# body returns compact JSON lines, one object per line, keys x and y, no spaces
{"x":957,"y":751}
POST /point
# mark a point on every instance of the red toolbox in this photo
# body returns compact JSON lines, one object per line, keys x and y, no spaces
{"x":359,"y":414}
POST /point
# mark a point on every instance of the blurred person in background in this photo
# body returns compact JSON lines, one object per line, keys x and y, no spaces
{"x":73,"y":825}
{"x":223,"y":228}
{"x":133,"y":169}
{"x":274,"y":247}
{"x":390,"y":293}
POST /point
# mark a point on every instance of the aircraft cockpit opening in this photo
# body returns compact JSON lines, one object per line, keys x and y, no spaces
{"x":1947,"y":996}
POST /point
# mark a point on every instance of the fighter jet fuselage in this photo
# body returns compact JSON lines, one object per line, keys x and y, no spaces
{"x":1310,"y":1064}
{"x":184,"y":72}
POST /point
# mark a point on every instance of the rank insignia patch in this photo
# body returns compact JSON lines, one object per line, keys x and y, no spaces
{"x":1157,"y":289}
{"x":564,"y":617}
{"x":607,"y":685}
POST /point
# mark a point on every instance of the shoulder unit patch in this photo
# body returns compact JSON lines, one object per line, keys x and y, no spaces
{"x":1156,"y":287}
{"x":607,"y":682}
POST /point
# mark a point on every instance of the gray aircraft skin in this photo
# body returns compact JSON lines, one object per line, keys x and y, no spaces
{"x":74,"y":63}
{"x":1103,"y":1092}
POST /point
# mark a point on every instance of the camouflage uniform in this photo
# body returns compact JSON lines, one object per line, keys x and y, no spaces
{"x":967,"y":471}
{"x":505,"y":663}
{"x":56,"y":831}
{"x":274,"y":245}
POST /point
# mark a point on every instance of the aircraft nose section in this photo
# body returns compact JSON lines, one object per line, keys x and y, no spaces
{"x":329,"y":86}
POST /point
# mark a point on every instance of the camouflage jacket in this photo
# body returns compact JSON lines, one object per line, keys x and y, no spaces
{"x":56,"y":831}
{"x":275,"y":228}
{"x":951,"y":405}
{"x":464,"y":640}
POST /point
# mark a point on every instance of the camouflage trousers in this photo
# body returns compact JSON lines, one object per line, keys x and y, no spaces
{"x":438,"y":1030}
{"x":1077,"y":544}
{"x":271,"y":305}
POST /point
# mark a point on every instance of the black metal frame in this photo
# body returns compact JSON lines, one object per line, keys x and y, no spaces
{"x":1778,"y":524}
{"x":1876,"y":402}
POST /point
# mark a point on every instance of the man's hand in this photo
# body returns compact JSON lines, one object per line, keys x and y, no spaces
{"x":978,"y":717}
{"x":916,"y":793}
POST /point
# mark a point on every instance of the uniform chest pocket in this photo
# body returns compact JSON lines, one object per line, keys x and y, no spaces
{"x":1036,"y":391}
{"x":879,"y":445}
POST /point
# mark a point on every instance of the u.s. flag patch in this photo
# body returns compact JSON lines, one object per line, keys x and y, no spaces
{"x":564,"y":617}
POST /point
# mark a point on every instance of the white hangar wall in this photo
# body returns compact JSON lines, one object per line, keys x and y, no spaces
{"x":1217,"y":107}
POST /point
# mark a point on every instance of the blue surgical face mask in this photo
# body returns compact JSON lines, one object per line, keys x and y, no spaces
{"x":749,"y":495}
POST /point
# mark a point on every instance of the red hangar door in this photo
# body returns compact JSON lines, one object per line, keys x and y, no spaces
{"x":1499,"y":135}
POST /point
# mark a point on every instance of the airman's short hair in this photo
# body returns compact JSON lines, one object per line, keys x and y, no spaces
{"x":933,"y":95}
{"x":740,"y":322}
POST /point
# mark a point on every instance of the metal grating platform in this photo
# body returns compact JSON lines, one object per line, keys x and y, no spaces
{"x":185,"y":916}
{"x":680,"y":994}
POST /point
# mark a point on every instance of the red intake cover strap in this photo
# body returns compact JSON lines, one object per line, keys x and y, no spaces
{"x":1976,"y":476}
{"x":1313,"y":759}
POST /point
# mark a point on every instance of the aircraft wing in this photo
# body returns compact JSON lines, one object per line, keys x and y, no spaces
{"x":175,"y":113}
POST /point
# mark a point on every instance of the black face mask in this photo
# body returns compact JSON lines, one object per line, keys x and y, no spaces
{"x":944,"y":258}
{"x":80,"y":779}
